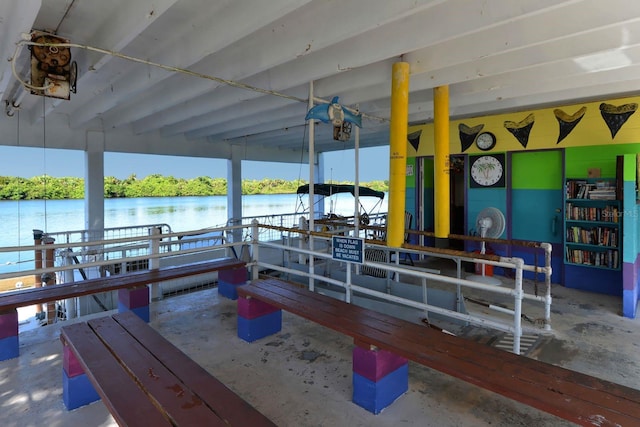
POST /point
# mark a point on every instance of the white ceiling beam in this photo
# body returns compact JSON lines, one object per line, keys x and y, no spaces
{"x":232,"y":23}
{"x":342,"y":85}
{"x":263,"y":105}
{"x":295,"y":36}
{"x":390,"y":40}
{"x":16,"y":17}
{"x":121,"y":25}
{"x":520,"y":59}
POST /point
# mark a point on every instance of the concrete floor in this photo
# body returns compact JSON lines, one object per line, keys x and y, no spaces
{"x":302,"y":376}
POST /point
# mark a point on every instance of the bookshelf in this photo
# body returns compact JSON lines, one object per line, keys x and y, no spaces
{"x":592,"y":224}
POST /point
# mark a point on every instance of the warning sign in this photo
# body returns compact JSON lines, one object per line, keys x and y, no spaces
{"x":348,"y":249}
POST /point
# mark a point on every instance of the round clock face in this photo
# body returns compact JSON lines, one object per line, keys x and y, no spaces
{"x":486,"y":141}
{"x":486,"y":171}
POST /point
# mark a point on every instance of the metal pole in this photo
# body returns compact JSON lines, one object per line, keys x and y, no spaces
{"x":37,"y":241}
{"x":154,"y":263}
{"x":312,"y":195}
{"x":547,"y":282}
{"x":255,"y":273}
{"x":348,"y":284}
{"x":356,"y":192}
{"x":517,"y":315}
{"x":70,"y":304}
{"x":49,"y":278}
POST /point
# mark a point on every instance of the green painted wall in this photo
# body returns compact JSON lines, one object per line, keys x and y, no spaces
{"x":536,"y":170}
{"x":579,"y":159}
{"x":411,"y":173}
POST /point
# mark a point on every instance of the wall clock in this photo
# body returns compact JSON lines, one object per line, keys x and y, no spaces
{"x":485,"y":141}
{"x":487,"y":171}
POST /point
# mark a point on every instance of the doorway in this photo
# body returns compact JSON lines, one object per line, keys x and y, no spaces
{"x":457,"y":198}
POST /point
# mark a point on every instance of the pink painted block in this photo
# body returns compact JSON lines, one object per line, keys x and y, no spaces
{"x":233,"y":276}
{"x":375,"y":364}
{"x":8,"y":323}
{"x":70,"y":363}
{"x":250,"y":308}
{"x":134,"y":297}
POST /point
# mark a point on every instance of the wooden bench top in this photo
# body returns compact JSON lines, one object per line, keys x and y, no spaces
{"x":571,"y":395}
{"x":143,"y":379}
{"x":11,"y":300}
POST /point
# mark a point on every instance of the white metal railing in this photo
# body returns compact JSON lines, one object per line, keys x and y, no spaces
{"x":517,"y":293}
{"x":289,"y":220}
{"x":142,"y":247}
{"x":292,"y":220}
{"x":151,"y":247}
{"x":77,"y":236}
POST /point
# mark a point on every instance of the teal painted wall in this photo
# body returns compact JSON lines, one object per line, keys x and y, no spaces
{"x":536,"y":196}
{"x":480,"y":198}
{"x":535,"y":215}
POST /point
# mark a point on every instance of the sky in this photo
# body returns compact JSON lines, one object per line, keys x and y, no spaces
{"x":27,"y":162}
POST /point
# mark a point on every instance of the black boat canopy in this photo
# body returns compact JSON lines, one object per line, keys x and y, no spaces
{"x":331,"y":189}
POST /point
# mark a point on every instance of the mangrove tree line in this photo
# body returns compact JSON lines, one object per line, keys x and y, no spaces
{"x":47,"y":187}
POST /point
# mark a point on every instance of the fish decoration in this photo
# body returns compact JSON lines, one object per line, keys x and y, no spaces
{"x":334,"y":113}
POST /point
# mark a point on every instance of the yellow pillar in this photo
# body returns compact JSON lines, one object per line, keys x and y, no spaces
{"x":398,"y":153}
{"x":441,"y":163}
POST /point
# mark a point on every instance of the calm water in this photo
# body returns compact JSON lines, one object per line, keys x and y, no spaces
{"x":18,"y":219}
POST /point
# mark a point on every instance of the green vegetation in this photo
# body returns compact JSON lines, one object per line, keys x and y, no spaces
{"x":46,"y":187}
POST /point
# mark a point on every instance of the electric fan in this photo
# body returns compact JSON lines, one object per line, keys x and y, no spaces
{"x":491,"y":223}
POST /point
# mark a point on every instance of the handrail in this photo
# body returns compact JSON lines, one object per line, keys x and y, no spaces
{"x":157,"y":246}
{"x":516,"y":263}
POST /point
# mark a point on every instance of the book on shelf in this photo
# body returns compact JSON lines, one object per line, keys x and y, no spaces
{"x":582,"y":189}
{"x":607,"y":213}
{"x":606,"y":259}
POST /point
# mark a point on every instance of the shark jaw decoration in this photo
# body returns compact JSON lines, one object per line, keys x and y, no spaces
{"x":339,"y":117}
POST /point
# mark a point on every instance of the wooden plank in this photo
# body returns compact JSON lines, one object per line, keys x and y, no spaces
{"x":461,"y":348}
{"x":11,"y":300}
{"x":165,"y":390}
{"x":127,"y":403}
{"x":470,"y":349}
{"x":229,"y":406}
{"x":545,"y":389}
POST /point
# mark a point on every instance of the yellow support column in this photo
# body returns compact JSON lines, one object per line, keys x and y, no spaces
{"x":398,"y":153}
{"x":441,"y":165}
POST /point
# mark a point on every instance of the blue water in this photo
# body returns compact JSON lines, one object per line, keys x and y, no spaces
{"x":18,"y":219}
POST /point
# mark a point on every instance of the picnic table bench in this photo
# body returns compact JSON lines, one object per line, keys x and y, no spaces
{"x":384,"y":344}
{"x":143,"y":379}
{"x":133,"y":293}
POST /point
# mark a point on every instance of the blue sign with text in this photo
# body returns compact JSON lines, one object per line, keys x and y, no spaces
{"x":348,"y":249}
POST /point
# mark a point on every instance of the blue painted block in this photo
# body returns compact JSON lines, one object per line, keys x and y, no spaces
{"x":141,"y":312}
{"x":375,"y":396}
{"x":228,"y":290}
{"x":600,"y":280}
{"x":259,"y":327}
{"x":629,"y":303}
{"x":77,"y":391}
{"x":9,"y":348}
